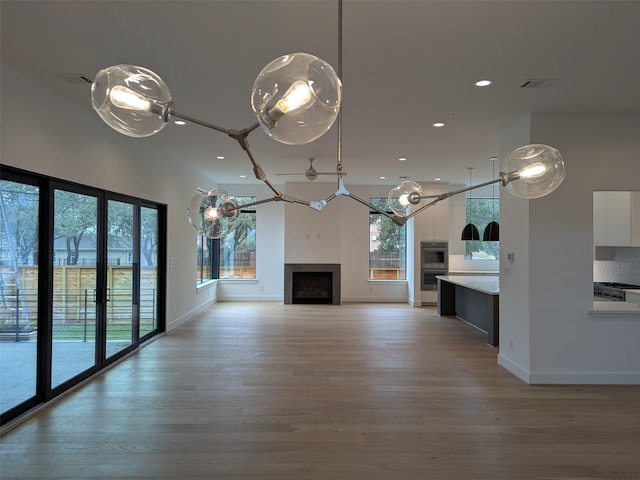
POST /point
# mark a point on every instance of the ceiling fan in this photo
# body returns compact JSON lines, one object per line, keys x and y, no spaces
{"x":311,"y":173}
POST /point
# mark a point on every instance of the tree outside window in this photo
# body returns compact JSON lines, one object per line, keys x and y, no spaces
{"x":238,"y":248}
{"x":232,"y":256}
{"x":387,"y":244}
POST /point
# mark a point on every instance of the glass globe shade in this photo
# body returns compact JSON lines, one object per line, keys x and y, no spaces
{"x":132,"y":100}
{"x":296,"y":98}
{"x":533,"y":171}
{"x":213,"y":213}
{"x":403,"y":197}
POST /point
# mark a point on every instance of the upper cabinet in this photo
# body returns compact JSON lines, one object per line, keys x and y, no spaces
{"x":616,"y":219}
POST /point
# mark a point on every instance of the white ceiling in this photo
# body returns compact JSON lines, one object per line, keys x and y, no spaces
{"x":406,"y":64}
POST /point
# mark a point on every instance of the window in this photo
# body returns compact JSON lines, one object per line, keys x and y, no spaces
{"x":232,"y":256}
{"x":387,"y":245}
{"x":238,"y":248}
{"x":206,"y":264}
{"x":481,"y":211}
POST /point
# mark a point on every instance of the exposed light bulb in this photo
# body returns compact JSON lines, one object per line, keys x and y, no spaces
{"x":298,"y":95}
{"x":211,"y":213}
{"x":404,"y":199}
{"x":124,"y":97}
{"x":532,"y":171}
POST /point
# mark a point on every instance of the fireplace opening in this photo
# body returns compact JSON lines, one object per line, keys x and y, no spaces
{"x":312,"y":283}
{"x":312,"y":287}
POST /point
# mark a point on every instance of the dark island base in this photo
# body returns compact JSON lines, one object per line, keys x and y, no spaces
{"x":477,"y":308}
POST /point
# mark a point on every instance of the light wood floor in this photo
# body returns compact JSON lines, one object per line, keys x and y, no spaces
{"x":358,"y":391}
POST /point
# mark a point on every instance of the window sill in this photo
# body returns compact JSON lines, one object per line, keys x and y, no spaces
{"x":206,"y":285}
{"x":384,"y":280}
{"x":238,"y":280}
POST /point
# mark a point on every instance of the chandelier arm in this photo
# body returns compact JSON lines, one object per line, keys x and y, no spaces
{"x":472,"y":187}
{"x":200,"y":122}
{"x":372,"y":207}
{"x":444,"y":196}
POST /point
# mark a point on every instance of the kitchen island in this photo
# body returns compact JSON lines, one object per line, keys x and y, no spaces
{"x":473,"y":299}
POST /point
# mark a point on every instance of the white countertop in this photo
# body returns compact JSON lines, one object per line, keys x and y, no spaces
{"x":609,"y":309}
{"x":483,"y":283}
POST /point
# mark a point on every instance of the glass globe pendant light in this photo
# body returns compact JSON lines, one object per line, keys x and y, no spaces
{"x":470,"y":231}
{"x":533,"y":171}
{"x":132,"y":100}
{"x":296,"y":98}
{"x":405,"y":197}
{"x":213,"y":213}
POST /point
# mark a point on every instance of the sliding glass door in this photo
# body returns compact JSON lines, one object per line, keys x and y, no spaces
{"x":150,"y":228}
{"x":76,"y":296}
{"x":122,"y":275}
{"x":18,"y":292}
{"x":81,"y":284}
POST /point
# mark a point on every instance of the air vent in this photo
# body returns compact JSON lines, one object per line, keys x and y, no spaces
{"x":537,"y":82}
{"x":75,"y":78}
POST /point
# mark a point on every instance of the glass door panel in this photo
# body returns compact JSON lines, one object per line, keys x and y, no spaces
{"x":149,"y":236}
{"x":18,"y":292}
{"x":120,"y":314}
{"x":75,"y":289}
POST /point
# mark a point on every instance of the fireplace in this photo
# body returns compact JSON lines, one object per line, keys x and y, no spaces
{"x":317,"y":283}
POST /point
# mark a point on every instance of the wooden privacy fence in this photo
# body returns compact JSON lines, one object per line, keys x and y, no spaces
{"x":74,"y":296}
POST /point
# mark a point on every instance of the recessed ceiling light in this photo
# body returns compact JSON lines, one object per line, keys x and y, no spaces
{"x":438,"y":124}
{"x":220,"y":157}
{"x":383,"y":178}
{"x":437,"y":179}
{"x":180,"y":122}
{"x":402,"y":159}
{"x":243,"y":176}
{"x":483,"y":83}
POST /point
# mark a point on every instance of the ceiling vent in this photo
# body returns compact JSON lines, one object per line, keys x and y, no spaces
{"x":75,"y":78}
{"x":537,"y":82}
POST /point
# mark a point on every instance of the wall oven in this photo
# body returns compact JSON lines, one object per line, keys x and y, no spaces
{"x":434,"y":261}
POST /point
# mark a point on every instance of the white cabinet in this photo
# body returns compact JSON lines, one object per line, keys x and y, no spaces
{"x":616,"y":219}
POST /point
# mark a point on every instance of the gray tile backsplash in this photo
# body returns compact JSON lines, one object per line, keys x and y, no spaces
{"x":624,"y":268}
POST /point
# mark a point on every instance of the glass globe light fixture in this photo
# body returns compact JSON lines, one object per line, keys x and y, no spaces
{"x":533,"y":171}
{"x":213,"y":213}
{"x":296,"y":98}
{"x":132,"y":100}
{"x":403,"y":197}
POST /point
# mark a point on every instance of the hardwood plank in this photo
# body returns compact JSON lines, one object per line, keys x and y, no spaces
{"x":355,"y":391}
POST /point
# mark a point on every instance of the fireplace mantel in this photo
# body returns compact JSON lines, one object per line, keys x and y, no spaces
{"x":333,"y":268}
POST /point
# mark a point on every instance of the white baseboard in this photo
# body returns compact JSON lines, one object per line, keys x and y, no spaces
{"x":514,"y":368}
{"x":189,"y":315}
{"x":374,"y":300}
{"x":570,"y":378}
{"x":250,"y":298}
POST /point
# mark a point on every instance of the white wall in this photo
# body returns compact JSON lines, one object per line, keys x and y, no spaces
{"x":43,"y":132}
{"x":514,"y":285}
{"x":546,"y":300}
